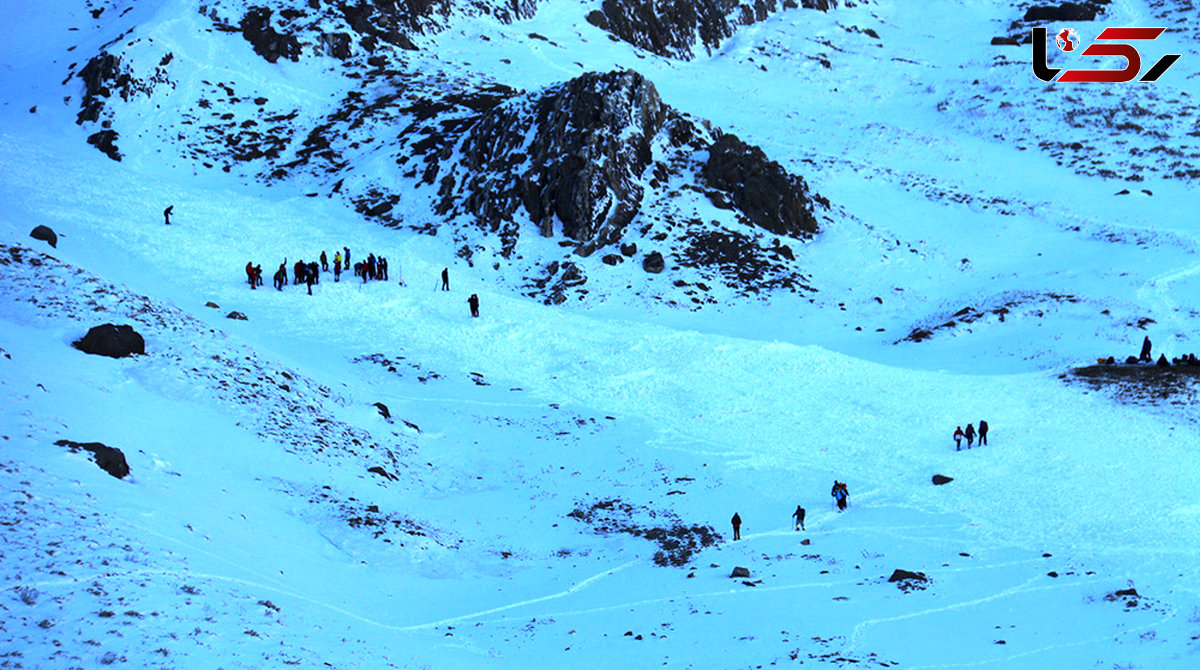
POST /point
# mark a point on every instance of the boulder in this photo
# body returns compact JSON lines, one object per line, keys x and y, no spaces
{"x":613,"y":259}
{"x":383,"y":411}
{"x":110,"y":459}
{"x":938,"y":480}
{"x":106,"y":142}
{"x":236,"y":316}
{"x":654,"y":263}
{"x":45,"y":234}
{"x":267,"y":42}
{"x":906,"y":576}
{"x":768,"y":195}
{"x":739,"y":573}
{"x":629,"y":249}
{"x":111,"y":340}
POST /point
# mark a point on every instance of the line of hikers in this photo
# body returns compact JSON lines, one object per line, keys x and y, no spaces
{"x":841,"y":497}
{"x":969,"y":435}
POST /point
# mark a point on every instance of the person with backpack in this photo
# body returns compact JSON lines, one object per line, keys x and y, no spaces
{"x":969,"y":433}
{"x":281,"y":276}
{"x":324,"y":262}
{"x":1145,"y":356}
{"x":250,"y":273}
{"x":298,"y":272}
{"x":473,"y":301}
{"x":958,"y":438}
{"x":840,"y":494}
{"x":737,"y":526}
{"x":798,"y":515}
{"x":983,"y":429}
{"x":310,"y":277}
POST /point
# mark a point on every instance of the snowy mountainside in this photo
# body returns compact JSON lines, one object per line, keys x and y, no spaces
{"x":369,"y":477}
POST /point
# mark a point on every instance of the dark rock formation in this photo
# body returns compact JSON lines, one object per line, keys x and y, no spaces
{"x":909,"y":581}
{"x":768,"y":196}
{"x":654,"y":263}
{"x":113,"y":341}
{"x":613,"y":259}
{"x":106,"y":142}
{"x":395,"y":21}
{"x":572,"y":155}
{"x":672,"y":27}
{"x":740,"y":573}
{"x":1067,"y":11}
{"x":45,"y":234}
{"x":383,"y":411}
{"x":236,"y":316}
{"x":376,"y":470}
{"x":938,"y":480}
{"x":99,"y":75}
{"x":267,"y":42}
{"x":629,"y":249}
{"x":110,"y":459}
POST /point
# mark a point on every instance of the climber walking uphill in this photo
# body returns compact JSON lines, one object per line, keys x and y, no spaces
{"x":798,"y":515}
{"x":737,"y":526}
{"x":840,"y":494}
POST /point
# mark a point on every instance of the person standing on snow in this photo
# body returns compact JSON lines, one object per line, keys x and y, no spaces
{"x":798,"y":515}
{"x":840,"y":494}
{"x":1146,"y":357}
{"x":445,"y":279}
{"x":473,"y":301}
{"x":250,"y":273}
{"x":969,"y":433}
{"x":737,"y":526}
{"x":281,"y":276}
{"x":958,"y":438}
{"x":324,"y":262}
{"x":167,"y":214}
{"x":983,"y":429}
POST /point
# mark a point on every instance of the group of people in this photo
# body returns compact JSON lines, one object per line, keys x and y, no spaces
{"x":1146,"y":356}
{"x":969,"y":435}
{"x":841,"y":496}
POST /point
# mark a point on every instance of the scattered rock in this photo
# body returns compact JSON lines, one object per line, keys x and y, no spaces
{"x":613,"y":259}
{"x":236,"y":316}
{"x":383,"y":411}
{"x":629,"y":250}
{"x":806,"y":542}
{"x":267,"y":42}
{"x":45,"y":234}
{"x":909,"y":581}
{"x":383,"y":473}
{"x":110,"y":459}
{"x":212,"y":305}
{"x":654,"y":263}
{"x":739,"y":573}
{"x":111,"y":340}
{"x":106,"y":142}
{"x":938,"y":480}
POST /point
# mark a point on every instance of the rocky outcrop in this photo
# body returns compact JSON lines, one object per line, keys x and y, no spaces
{"x":1067,"y":11}
{"x":654,"y":263}
{"x":939,"y":480}
{"x":110,"y":459}
{"x":268,"y":42}
{"x":674,"y":27}
{"x":45,"y":234}
{"x":112,"y":341}
{"x":571,"y":157}
{"x":765,"y":192}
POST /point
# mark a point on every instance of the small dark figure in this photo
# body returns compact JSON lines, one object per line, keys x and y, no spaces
{"x":324,"y":262}
{"x":958,"y":438}
{"x":310,"y":278}
{"x":983,"y":429}
{"x":1163,"y":362}
{"x":346,"y":260}
{"x":382,"y":269}
{"x":250,"y":273}
{"x":841,"y":494}
{"x":281,"y":277}
{"x":737,"y":526}
{"x":298,"y":272}
{"x":969,"y":433}
{"x":313,"y":273}
{"x":798,"y":515}
{"x":258,"y":275}
{"x":445,"y":279}
{"x":473,"y":301}
{"x":1146,"y":357}
{"x":337,"y":268}
{"x":372,"y":267}
{"x":167,"y":214}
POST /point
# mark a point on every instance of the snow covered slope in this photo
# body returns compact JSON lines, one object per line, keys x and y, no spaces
{"x":368,"y":477}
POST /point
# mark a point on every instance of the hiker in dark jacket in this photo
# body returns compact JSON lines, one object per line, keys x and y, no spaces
{"x":969,"y":433}
{"x":281,"y":276}
{"x":324,"y":262}
{"x":983,"y":429}
{"x":737,"y":526}
{"x":298,"y":272}
{"x":798,"y":515}
{"x":167,"y":214}
{"x":841,"y":494}
{"x":473,"y":301}
{"x":313,"y":273}
{"x":445,"y":279}
{"x":1146,"y":357}
{"x":382,"y":269}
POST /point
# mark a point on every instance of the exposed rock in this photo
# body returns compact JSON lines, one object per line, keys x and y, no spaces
{"x":236,"y":316}
{"x":673,"y":27}
{"x":212,"y":305}
{"x":382,"y":473}
{"x":99,"y":75}
{"x":45,"y":234}
{"x":739,"y":573}
{"x":938,"y":480}
{"x":906,"y":576}
{"x":1067,"y":11}
{"x":383,"y":411}
{"x":571,"y":155}
{"x":395,"y":21}
{"x":654,"y":263}
{"x":106,"y":142}
{"x":111,"y":340}
{"x":267,"y":42}
{"x":613,"y":259}
{"x":110,"y":459}
{"x":768,"y":196}
{"x":336,"y":45}
{"x":629,"y":249}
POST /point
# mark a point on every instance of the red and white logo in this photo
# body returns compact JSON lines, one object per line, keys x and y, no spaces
{"x":1111,"y":42}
